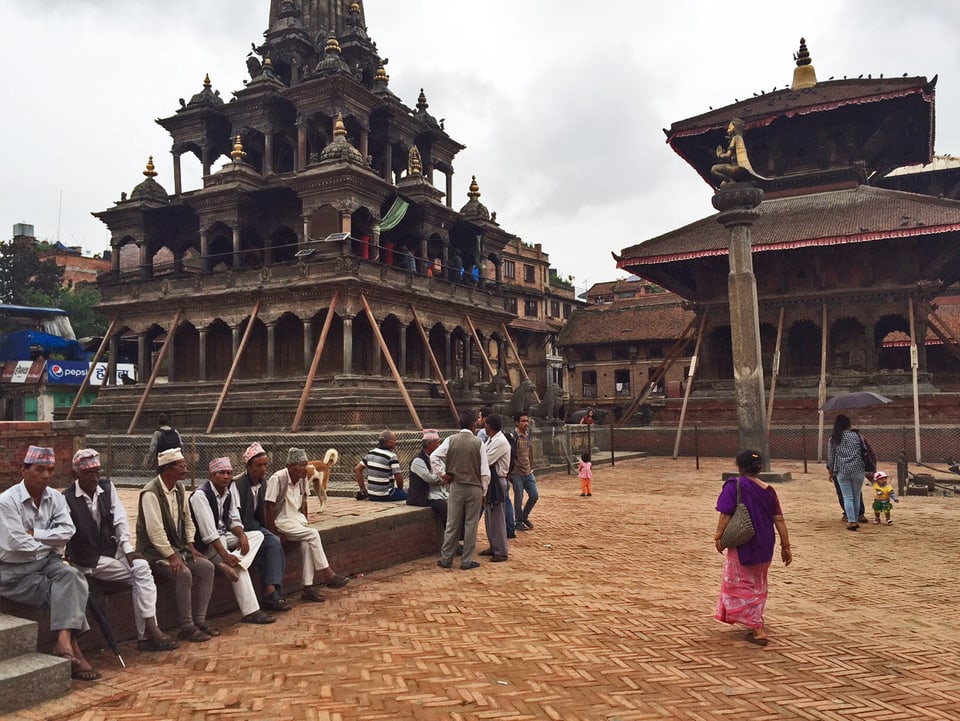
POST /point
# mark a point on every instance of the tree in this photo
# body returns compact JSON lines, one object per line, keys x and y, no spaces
{"x":79,"y":303}
{"x":25,"y":279}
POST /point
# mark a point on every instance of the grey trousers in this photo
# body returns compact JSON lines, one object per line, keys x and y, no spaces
{"x":495,"y":522}
{"x":49,"y":583}
{"x":193,"y":588}
{"x":463,"y":509}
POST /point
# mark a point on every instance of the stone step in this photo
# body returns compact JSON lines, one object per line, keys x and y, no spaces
{"x":17,"y":636}
{"x":32,"y":678}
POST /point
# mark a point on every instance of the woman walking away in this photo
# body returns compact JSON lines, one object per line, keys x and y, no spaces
{"x":743,"y":591}
{"x":845,"y":463}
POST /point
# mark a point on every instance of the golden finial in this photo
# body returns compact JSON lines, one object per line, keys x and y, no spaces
{"x":206,"y":80}
{"x":382,"y":73}
{"x":804,"y":75}
{"x":414,"y":166}
{"x":268,"y":61}
{"x":474,"y":193}
{"x":150,"y":172}
{"x":333,"y":46}
{"x":238,"y":153}
{"x":355,"y":7}
{"x":422,"y":101}
{"x":339,"y":129}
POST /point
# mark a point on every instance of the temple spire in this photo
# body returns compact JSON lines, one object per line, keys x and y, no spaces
{"x":321,"y":16}
{"x":804,"y":75}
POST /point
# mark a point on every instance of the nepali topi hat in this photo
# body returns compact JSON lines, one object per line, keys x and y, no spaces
{"x":171,"y":455}
{"x":220,"y":464}
{"x":39,"y":456}
{"x":295,"y":456}
{"x":253,"y":450}
{"x":85,"y":459}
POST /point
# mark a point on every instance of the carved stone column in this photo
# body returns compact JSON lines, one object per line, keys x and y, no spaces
{"x":268,"y":153}
{"x":111,"y":378}
{"x":376,"y":364}
{"x":448,"y":347}
{"x":307,"y":344}
{"x":236,"y":246}
{"x":870,"y":350}
{"x":388,"y":163}
{"x":737,"y":203}
{"x":171,"y":355}
{"x":202,"y":354}
{"x":146,"y":266}
{"x":235,"y":338}
{"x":115,"y":258}
{"x":402,"y":360}
{"x":348,"y":345}
{"x":205,"y":251}
{"x":177,"y":182}
{"x":143,"y":359}
{"x":205,"y":159}
{"x":449,"y":175}
{"x":301,"y":144}
{"x":271,"y":349}
{"x":364,"y":144}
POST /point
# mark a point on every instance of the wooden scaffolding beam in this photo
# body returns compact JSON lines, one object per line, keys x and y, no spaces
{"x":96,"y":359}
{"x":483,"y":353}
{"x":155,"y":370}
{"x":436,"y":365}
{"x":315,"y":363}
{"x":393,"y":366}
{"x":233,"y":367}
{"x":689,"y":388}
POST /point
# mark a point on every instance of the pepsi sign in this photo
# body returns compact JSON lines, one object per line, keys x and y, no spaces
{"x":68,"y":373}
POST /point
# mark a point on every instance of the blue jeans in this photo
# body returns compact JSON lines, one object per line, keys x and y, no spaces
{"x":511,"y":522}
{"x":861,"y":508}
{"x":850,"y":484}
{"x":397,"y":494}
{"x":520,"y":484}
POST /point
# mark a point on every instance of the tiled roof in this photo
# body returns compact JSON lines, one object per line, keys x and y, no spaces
{"x":535,"y":325}
{"x":857,"y":215}
{"x":823,"y":96}
{"x":626,"y":321}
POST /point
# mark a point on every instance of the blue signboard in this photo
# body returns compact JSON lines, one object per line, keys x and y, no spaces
{"x":69,"y":373}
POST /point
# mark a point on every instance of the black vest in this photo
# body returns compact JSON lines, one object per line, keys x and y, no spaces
{"x":90,"y":542}
{"x":419,"y":492}
{"x":207,"y":490}
{"x":251,"y":519}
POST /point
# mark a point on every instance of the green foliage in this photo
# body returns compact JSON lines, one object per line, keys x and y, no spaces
{"x":23,"y":275}
{"x":26,"y":280}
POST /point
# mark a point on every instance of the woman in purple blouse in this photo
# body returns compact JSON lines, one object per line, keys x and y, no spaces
{"x":743,"y":591}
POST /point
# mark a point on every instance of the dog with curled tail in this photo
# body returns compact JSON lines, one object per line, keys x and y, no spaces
{"x":318,"y":473}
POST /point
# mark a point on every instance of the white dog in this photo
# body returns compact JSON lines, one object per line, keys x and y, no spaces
{"x":318,"y":473}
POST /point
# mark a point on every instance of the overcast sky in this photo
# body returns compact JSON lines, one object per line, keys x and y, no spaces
{"x":559,"y":102}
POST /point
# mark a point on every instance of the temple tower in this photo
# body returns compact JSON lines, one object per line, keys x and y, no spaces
{"x":319,"y":16}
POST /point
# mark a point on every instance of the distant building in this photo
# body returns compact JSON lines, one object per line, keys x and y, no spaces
{"x":77,"y":268}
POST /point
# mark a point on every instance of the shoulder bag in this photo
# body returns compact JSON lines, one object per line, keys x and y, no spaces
{"x":739,"y":529}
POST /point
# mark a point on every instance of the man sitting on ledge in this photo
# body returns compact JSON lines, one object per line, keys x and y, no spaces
{"x":384,"y":476}
{"x":286,"y":514}
{"x":35,"y":526}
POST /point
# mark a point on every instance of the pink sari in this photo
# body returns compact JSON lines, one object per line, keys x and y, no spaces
{"x":743,"y":592}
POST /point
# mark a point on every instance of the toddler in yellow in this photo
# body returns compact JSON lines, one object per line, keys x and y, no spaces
{"x":883,"y":493}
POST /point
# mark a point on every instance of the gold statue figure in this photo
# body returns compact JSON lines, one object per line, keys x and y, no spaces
{"x":738,"y":165}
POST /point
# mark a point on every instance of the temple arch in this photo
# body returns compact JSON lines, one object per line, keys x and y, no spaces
{"x":288,"y":339}
{"x":219,"y":343}
{"x":186,"y":346}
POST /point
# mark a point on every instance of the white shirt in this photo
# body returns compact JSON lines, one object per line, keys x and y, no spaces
{"x":287,"y":506}
{"x":438,"y":489}
{"x":51,"y":524}
{"x":210,"y":528}
{"x":498,"y":453}
{"x":154,"y":521}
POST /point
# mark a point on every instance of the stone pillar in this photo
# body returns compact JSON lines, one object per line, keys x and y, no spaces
{"x":271,"y":349}
{"x":448,"y":348}
{"x":402,"y":360}
{"x":423,"y":254}
{"x":449,"y":175}
{"x":205,"y":159}
{"x":307,"y":345}
{"x":236,"y":246}
{"x":364,"y":144}
{"x":146,"y":266}
{"x":171,"y":355}
{"x":115,"y":258}
{"x":142,"y":357}
{"x":205,"y":251}
{"x":177,"y":182}
{"x":375,"y":242}
{"x":869,"y":348}
{"x":348,"y":345}
{"x":306,"y":232}
{"x":301,"y":145}
{"x":376,"y":365}
{"x":268,"y":153}
{"x":388,"y":163}
{"x":235,"y":333}
{"x":111,"y":378}
{"x":737,"y":203}
{"x":202,"y":354}
{"x":920,"y":321}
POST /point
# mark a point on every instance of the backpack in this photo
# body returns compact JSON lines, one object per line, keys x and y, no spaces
{"x":513,"y":439}
{"x":168,"y":439}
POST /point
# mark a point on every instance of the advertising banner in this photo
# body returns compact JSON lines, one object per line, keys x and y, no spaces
{"x":72,"y":373}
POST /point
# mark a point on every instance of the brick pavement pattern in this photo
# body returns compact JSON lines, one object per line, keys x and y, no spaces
{"x":603,"y":612}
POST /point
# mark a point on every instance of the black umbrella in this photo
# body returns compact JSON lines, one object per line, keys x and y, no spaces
{"x":860,"y":399}
{"x":101,"y":618}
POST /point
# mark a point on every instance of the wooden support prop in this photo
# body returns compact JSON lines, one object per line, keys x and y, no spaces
{"x":822,"y":392}
{"x":483,"y":353}
{"x":689,"y":388}
{"x":914,"y":367}
{"x":156,"y":370}
{"x":942,"y":331}
{"x":775,"y":371}
{"x":315,"y":363}
{"x":233,"y":368}
{"x":436,"y":365}
{"x":393,"y":366}
{"x":516,"y":354}
{"x":96,"y":359}
{"x":675,"y":352}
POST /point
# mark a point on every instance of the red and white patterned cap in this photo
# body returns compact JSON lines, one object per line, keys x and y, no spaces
{"x":431,"y":434}
{"x":253,"y":450}
{"x":38,"y":456}
{"x":85,"y":459}
{"x":220,"y":464}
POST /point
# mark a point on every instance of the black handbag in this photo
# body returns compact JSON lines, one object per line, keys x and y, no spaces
{"x":739,"y":528}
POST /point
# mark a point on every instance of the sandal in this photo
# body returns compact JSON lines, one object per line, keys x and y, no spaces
{"x":889,"y":522}
{"x":337,"y":582}
{"x":758,"y":641}
{"x":278,"y":604}
{"x":157,"y":644}
{"x":84,"y":674}
{"x":853,"y":527}
{"x":312,"y":594}
{"x":207,"y":628}
{"x":194,"y":635}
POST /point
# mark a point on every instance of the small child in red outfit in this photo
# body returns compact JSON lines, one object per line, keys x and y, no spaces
{"x":586,"y":474}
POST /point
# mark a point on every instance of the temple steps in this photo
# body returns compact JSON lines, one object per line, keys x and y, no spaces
{"x":27,"y":677}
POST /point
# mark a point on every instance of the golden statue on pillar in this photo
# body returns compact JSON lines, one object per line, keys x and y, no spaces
{"x":414,"y":164}
{"x":737,"y":166}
